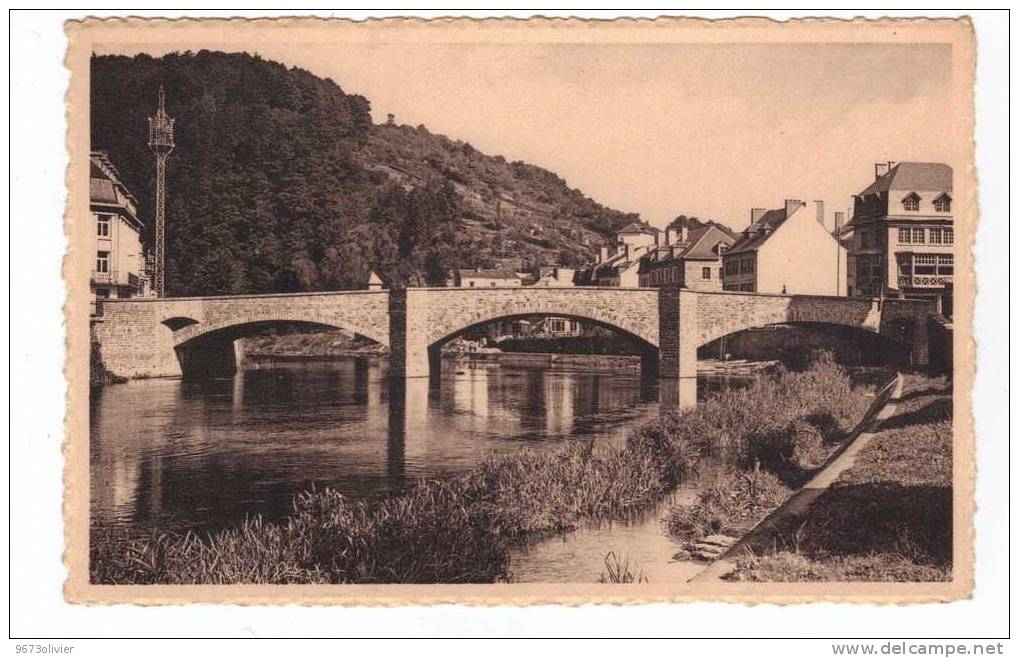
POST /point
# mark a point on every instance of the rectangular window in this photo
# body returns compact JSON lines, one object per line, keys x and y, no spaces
{"x":918,"y":236}
{"x":946,"y":264}
{"x":912,"y":204}
{"x":103,"y":226}
{"x":935,"y":236}
{"x":947,"y":235}
{"x":102,"y":261}
{"x":706,"y":273}
{"x":942,"y":204}
{"x":904,"y":236}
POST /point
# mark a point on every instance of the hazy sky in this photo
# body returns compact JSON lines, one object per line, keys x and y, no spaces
{"x":662,"y":129}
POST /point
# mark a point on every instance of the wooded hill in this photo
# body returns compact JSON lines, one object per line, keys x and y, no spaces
{"x":281,"y":182}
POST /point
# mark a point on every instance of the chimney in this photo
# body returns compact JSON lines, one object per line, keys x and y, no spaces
{"x":670,"y":236}
{"x":604,"y":255}
{"x":791,"y":206}
{"x":840,"y":219}
{"x":882,"y":168}
{"x":626,"y":252}
{"x":821,"y":219}
{"x":683,"y":234}
{"x":756,"y":214}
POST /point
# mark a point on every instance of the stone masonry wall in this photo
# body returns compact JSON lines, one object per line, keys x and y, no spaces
{"x":137,"y":339}
{"x":140,"y":337}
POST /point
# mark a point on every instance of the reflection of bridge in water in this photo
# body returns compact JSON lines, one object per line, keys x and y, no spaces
{"x":195,"y":336}
{"x":192,"y":452}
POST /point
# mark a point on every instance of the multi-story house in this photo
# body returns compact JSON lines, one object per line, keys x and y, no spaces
{"x":620,"y":266}
{"x":688,"y":258}
{"x":788,"y":250}
{"x":119,"y":266}
{"x":901,"y":234}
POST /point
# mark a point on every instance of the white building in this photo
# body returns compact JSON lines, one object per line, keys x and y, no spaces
{"x":119,"y":266}
{"x":788,"y":250}
{"x":620,"y":267}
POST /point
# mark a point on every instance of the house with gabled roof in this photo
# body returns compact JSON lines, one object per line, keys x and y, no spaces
{"x":618,"y":265}
{"x":901,"y":234}
{"x":119,"y":267}
{"x":689,"y":257}
{"x":787,"y":250}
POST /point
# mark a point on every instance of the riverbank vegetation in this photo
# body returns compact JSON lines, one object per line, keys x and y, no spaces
{"x":789,"y":429}
{"x":461,"y":529}
{"x":887,"y":518}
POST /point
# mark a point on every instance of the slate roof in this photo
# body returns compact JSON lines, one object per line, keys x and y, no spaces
{"x":637,"y":228}
{"x":700,"y":245}
{"x":913,"y":176}
{"x":101,"y":190}
{"x":758,"y":232}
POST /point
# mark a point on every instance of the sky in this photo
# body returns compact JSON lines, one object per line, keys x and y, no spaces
{"x":710,"y":130}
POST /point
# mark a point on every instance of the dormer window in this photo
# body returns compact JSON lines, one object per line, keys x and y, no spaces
{"x":721,"y":248}
{"x":943,"y":203}
{"x":911,"y":203}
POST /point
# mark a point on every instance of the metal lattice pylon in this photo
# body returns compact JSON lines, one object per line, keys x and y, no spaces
{"x":161,"y":143}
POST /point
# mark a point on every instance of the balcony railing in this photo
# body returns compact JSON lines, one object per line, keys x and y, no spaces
{"x":117,"y":278}
{"x":925,"y":280}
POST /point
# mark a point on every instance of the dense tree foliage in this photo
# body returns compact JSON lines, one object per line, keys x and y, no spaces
{"x":280,"y":182}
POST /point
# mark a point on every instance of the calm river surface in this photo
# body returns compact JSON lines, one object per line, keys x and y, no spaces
{"x":202,"y":455}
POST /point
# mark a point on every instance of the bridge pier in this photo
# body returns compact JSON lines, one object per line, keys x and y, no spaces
{"x":677,"y":348}
{"x":409,"y":353}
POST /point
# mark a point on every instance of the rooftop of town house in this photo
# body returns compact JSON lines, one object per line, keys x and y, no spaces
{"x":912,"y":176}
{"x":480,"y":273}
{"x":636,"y":228}
{"x":701,"y":244}
{"x":618,"y":261}
{"x":761,"y":229}
{"x":691,"y":223}
{"x":104,"y":179}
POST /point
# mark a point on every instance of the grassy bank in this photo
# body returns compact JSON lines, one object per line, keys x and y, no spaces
{"x":889,"y":517}
{"x":794,"y":427}
{"x":461,"y":529}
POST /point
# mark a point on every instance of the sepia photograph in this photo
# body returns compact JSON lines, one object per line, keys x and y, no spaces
{"x":538,"y":311}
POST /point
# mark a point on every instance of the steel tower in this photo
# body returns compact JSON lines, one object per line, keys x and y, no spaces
{"x":161,"y":143}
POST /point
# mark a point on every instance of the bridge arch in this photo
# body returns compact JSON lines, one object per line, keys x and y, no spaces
{"x":722,"y":315}
{"x":632,"y":313}
{"x":424,"y":319}
{"x":438,"y":337}
{"x":243,"y":323}
{"x":206,"y":349}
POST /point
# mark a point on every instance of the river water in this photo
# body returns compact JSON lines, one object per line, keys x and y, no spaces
{"x":202,"y":455}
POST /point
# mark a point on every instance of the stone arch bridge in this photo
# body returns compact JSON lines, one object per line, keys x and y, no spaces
{"x":173,"y":336}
